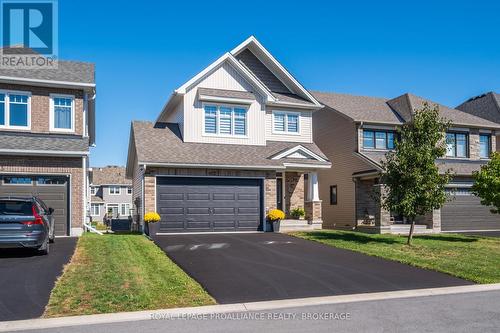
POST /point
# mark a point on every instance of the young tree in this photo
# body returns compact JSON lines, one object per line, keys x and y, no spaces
{"x":487,"y":183}
{"x":413,"y":183}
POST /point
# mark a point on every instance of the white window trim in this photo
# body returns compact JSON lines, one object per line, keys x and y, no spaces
{"x":217,"y":120}
{"x":51,"y":114}
{"x":98,"y":209}
{"x":119,"y":190}
{"x":286,"y":113}
{"x":127,"y":210}
{"x":7,"y":94}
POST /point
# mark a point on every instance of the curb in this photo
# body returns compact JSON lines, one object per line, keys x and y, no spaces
{"x":30,"y":324}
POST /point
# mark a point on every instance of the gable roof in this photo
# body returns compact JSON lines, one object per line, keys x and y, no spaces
{"x":256,"y":65}
{"x":109,"y":175}
{"x":162,"y":144}
{"x":394,"y":111}
{"x":486,"y":106}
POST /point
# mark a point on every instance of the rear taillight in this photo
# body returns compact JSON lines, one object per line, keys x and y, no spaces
{"x":38,"y":219}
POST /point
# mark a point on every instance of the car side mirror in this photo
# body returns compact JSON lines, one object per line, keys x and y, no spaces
{"x":51,"y":210}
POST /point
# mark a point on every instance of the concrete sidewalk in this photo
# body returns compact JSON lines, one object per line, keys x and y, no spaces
{"x":139,"y":321}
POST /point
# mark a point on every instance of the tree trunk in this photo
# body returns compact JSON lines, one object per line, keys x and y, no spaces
{"x":410,"y":234}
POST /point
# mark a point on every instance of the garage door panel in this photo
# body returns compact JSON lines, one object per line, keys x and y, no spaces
{"x":53,"y":192}
{"x":210,"y":204}
{"x":465,"y":212}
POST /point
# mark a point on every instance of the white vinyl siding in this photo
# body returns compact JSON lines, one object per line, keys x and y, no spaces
{"x":225,"y":77}
{"x":304,"y":124}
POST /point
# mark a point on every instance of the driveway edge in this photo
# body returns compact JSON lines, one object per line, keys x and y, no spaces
{"x":18,"y":325}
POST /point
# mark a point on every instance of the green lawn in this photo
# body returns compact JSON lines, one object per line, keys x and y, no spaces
{"x":469,"y":257}
{"x":128,"y":272}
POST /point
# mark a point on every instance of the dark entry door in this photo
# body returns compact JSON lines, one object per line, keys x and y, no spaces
{"x":209,"y":204}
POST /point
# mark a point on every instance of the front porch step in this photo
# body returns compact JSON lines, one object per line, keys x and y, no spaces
{"x":298,"y":225}
{"x":405,"y":229}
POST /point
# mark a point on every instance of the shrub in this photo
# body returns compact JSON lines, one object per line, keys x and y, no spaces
{"x":275,"y":215}
{"x":152,"y":217}
{"x":298,"y":212}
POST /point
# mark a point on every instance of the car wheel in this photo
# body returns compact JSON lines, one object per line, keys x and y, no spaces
{"x":45,"y":248}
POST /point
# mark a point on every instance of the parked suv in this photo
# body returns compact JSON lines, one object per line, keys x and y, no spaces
{"x":26,"y":222}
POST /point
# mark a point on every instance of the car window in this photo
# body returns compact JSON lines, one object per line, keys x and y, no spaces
{"x":11,"y":207}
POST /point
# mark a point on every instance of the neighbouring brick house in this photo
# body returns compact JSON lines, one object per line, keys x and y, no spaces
{"x":46,"y":129}
{"x":110,"y":192}
{"x":231,"y":143}
{"x":355,"y":132}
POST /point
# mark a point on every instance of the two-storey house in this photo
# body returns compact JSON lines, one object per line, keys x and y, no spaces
{"x":355,"y":132}
{"x":110,"y":193}
{"x":231,"y":143}
{"x":46,"y":128}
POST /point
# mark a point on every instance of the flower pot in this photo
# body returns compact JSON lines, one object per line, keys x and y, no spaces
{"x":276,"y":225}
{"x":151,"y":229}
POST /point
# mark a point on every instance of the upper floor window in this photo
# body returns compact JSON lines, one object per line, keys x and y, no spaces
{"x":93,"y":190}
{"x":62,"y":114}
{"x":129,"y":190}
{"x":15,"y":110}
{"x":378,"y":139}
{"x":114,"y":190}
{"x":484,"y":145}
{"x":457,"y":144}
{"x":225,"y":120}
{"x":286,"y":122}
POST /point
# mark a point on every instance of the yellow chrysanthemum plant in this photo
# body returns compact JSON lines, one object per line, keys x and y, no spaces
{"x":275,"y":215}
{"x":152,"y":217}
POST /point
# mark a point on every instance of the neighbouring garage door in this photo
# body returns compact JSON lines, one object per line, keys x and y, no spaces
{"x":465,"y":212}
{"x":53,"y":190}
{"x":209,"y":204}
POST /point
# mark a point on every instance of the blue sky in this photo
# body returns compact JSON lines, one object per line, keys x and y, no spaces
{"x":447,"y":51}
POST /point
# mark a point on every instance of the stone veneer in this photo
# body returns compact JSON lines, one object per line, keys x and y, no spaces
{"x":294,"y":191}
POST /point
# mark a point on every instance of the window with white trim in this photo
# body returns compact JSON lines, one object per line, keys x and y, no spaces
{"x":95,"y":209}
{"x":114,"y":190}
{"x":125,"y":209}
{"x":225,"y":120}
{"x":93,"y":190}
{"x":15,"y":110}
{"x":62,"y":113}
{"x":129,"y":190}
{"x":286,"y":122}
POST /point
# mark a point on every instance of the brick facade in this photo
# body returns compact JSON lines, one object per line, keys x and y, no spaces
{"x":40,"y":106}
{"x":53,"y":166}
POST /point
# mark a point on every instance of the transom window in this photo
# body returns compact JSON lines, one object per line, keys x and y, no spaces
{"x":484,"y":145}
{"x":62,"y":113}
{"x":225,"y":120}
{"x":286,"y":122}
{"x":17,"y":180}
{"x":114,"y":190}
{"x":457,"y":144}
{"x":378,"y":139}
{"x":15,"y":110}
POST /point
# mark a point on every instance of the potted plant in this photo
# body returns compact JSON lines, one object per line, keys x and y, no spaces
{"x":274,"y":218}
{"x":151,"y":220}
{"x":298,"y":213}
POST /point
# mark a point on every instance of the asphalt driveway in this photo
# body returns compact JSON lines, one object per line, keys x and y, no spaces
{"x":26,"y":279}
{"x":265,"y":266}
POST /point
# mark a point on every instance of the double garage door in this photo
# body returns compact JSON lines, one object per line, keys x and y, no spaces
{"x":188,"y":204}
{"x":53,"y":190}
{"x":465,"y":212}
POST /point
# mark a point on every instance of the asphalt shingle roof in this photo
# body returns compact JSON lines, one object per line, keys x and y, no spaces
{"x":109,"y":175}
{"x":29,"y":141}
{"x":486,"y":106}
{"x":163,"y":144}
{"x":394,"y":111}
{"x":226,"y":93}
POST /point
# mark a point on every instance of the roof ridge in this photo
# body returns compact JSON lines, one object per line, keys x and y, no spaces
{"x":346,"y":94}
